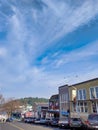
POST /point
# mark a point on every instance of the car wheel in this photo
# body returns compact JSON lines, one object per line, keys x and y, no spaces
{"x":60,"y":127}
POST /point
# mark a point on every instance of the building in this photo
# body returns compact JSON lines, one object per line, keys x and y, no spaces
{"x":84,"y":98}
{"x":40,"y":110}
{"x":64,"y":101}
{"x":53,"y":110}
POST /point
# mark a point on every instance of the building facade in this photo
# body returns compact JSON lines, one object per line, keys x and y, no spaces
{"x":83,"y":98}
{"x":64,"y":101}
{"x":40,"y":110}
{"x":53,"y":110}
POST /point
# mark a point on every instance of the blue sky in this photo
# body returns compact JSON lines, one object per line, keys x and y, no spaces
{"x":45,"y":44}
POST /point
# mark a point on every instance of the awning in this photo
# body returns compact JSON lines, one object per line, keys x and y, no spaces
{"x":53,"y":111}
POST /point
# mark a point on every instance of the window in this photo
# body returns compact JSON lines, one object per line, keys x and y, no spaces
{"x":81,"y":94}
{"x":95,"y":106}
{"x":60,"y":98}
{"x":82,"y":107}
{"x":94,"y":92}
{"x":66,"y":97}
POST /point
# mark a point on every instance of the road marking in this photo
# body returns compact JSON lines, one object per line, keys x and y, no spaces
{"x":16,"y":126}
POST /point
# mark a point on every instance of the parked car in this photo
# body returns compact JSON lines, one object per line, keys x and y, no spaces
{"x":37,"y":121}
{"x":9,"y":119}
{"x":26,"y":119}
{"x":64,"y":123}
{"x":54,"y":122}
{"x":76,"y":123}
{"x":92,"y":122}
{"x":48,"y":121}
{"x":42,"y":121}
{"x":31,"y":119}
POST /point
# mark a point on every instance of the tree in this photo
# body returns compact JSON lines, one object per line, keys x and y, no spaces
{"x":2,"y":100}
{"x":11,"y":106}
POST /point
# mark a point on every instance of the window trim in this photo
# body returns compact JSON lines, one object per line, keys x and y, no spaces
{"x":78,"y":107}
{"x":94,"y":92}
{"x":78,"y":98}
{"x":96,"y":104}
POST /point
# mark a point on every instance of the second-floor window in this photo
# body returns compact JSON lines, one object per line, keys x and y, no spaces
{"x":81,"y":95}
{"x":64,"y":97}
{"x":94,"y":92}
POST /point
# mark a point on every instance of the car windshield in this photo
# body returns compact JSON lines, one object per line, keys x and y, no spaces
{"x":48,"y":119}
{"x":93,"y":117}
{"x":75,"y":119}
{"x":55,"y":119}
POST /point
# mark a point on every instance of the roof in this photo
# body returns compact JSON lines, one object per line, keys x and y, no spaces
{"x":66,"y":85}
{"x":84,"y":82}
{"x":56,"y":96}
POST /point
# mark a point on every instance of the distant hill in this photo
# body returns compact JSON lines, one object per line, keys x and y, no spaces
{"x":32,"y":100}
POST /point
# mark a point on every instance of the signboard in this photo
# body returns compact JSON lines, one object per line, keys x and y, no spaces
{"x":64,"y":113}
{"x":28,"y":114}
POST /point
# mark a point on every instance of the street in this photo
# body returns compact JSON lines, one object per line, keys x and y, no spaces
{"x":24,"y":126}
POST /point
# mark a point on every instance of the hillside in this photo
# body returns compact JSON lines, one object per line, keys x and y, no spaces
{"x":31,"y":100}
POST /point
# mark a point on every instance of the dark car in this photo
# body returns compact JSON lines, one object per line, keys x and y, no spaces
{"x":63,"y":123}
{"x":54,"y":122}
{"x":37,"y":121}
{"x":9,"y":119}
{"x":31,"y":120}
{"x":26,"y":119}
{"x":92,"y":122}
{"x":76,"y":123}
{"x":48,"y":121}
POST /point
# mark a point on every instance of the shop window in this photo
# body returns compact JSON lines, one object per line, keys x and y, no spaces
{"x":94,"y":107}
{"x":82,"y":107}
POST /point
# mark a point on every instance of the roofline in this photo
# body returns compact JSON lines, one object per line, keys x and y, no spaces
{"x":83,"y":82}
{"x":54,"y":95}
{"x":66,"y":85}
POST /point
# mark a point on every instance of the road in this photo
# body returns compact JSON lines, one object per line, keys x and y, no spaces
{"x":24,"y":126}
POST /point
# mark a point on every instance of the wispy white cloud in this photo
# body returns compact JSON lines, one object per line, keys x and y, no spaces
{"x":78,"y":54}
{"x":3,"y":52}
{"x":51,"y":23}
{"x":32,"y":28}
{"x":69,"y":19}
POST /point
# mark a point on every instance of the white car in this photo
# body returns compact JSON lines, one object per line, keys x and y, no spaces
{"x":63,"y":123}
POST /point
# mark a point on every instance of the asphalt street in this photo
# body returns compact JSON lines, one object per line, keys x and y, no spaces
{"x":24,"y":126}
